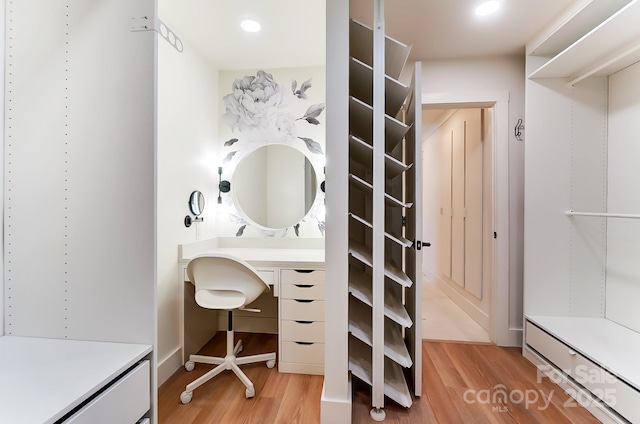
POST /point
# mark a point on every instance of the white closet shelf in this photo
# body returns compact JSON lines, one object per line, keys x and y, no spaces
{"x":391,"y":270}
{"x":390,"y":200}
{"x":361,"y":87}
{"x":360,"y":288}
{"x":361,"y":47}
{"x":361,"y":327}
{"x":362,"y":152}
{"x":360,"y":122}
{"x":606,"y":343}
{"x":609,"y":47}
{"x":394,"y":237}
{"x":587,"y":15}
{"x":395,"y":384}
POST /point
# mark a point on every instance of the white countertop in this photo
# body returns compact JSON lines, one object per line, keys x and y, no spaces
{"x":259,"y":252}
{"x":41,"y":380}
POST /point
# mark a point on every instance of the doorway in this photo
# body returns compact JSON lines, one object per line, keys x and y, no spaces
{"x":465,"y":271}
{"x":457,"y":213}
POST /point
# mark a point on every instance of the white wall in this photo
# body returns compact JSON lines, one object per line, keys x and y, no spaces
{"x":493,"y":75}
{"x":623,"y":235}
{"x":2,"y":8}
{"x":187,"y":142}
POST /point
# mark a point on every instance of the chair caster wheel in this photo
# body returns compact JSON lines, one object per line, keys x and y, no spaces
{"x":377,"y":414}
{"x":189,"y":365}
{"x":249,"y":393}
{"x":185,"y":397}
{"x":271,"y":363}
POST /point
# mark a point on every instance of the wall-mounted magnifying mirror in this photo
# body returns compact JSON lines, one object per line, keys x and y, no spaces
{"x":274,"y":186}
{"x":196,"y":206}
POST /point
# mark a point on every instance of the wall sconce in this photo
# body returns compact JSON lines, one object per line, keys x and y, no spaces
{"x":224,"y":186}
{"x":196,"y":206}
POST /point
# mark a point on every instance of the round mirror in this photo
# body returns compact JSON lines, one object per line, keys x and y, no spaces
{"x":274,"y":186}
{"x":196,"y":203}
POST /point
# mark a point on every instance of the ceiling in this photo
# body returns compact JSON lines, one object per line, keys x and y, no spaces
{"x":293,"y":32}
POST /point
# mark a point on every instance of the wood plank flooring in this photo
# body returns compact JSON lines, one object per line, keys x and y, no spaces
{"x":462,"y":384}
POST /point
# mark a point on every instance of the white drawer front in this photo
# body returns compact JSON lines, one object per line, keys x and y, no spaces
{"x":302,"y":291}
{"x":307,"y":353}
{"x":296,"y":310}
{"x":291,"y":276}
{"x":302,"y":331}
{"x":615,"y":393}
{"x":124,"y":402}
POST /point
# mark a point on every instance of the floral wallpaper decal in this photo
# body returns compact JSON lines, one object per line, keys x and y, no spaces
{"x":256,"y":110}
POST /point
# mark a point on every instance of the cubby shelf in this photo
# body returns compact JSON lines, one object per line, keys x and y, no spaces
{"x":362,"y":152}
{"x":361,"y":327}
{"x":360,"y":288}
{"x":395,"y":383}
{"x":361,"y":87}
{"x":361,"y":126}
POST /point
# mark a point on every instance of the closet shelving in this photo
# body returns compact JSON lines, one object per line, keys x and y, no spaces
{"x":382,"y":317}
{"x":612,"y":45}
{"x":579,"y":290}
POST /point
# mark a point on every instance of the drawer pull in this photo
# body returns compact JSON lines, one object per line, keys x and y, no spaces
{"x":304,"y":343}
{"x":304,"y":300}
{"x":304,"y":322}
{"x":572,"y":352}
{"x":304,"y":286}
{"x":304,"y":271}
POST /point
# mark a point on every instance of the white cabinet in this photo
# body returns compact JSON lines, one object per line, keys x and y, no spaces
{"x":582,"y":235}
{"x":123,"y":401}
{"x":301,"y":335}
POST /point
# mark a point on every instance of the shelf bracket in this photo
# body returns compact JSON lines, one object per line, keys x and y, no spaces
{"x":146,"y":23}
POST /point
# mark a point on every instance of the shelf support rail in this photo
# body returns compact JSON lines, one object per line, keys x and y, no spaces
{"x":146,"y":23}
{"x":571,"y":213}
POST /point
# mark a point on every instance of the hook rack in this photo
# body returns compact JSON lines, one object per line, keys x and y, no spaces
{"x":517,"y":131}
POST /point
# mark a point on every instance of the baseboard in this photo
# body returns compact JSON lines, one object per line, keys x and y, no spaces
{"x":335,"y":411}
{"x":469,"y":308}
{"x":169,"y":365}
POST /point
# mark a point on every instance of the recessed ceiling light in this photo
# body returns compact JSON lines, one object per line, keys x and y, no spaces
{"x":250,"y":25}
{"x":487,"y":7}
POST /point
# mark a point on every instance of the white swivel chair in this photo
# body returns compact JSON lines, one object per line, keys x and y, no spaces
{"x":225,"y":283}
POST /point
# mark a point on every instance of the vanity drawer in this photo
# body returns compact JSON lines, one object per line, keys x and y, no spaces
{"x":302,"y":353}
{"x":302,"y":331}
{"x":614,"y":392}
{"x":302,"y":291}
{"x":301,"y":310}
{"x":126,"y":401}
{"x":291,"y":276}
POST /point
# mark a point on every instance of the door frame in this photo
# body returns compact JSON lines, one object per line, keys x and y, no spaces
{"x":500,"y":331}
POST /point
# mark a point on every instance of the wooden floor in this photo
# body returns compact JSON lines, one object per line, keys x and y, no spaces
{"x":463,"y":383}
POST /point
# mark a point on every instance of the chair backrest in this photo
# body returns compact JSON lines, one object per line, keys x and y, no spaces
{"x":233,"y":281}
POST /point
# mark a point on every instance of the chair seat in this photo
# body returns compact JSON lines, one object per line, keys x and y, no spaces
{"x":220,"y":299}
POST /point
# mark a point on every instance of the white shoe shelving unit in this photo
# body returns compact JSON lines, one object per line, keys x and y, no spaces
{"x":384,"y":211}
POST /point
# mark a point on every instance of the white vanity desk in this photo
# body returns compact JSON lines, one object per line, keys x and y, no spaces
{"x":294,"y":268}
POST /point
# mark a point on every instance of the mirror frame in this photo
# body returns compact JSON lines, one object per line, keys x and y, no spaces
{"x":249,"y":220}
{"x":196,"y":203}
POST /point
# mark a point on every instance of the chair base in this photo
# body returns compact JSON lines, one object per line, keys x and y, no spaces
{"x":229,"y":362}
